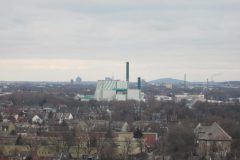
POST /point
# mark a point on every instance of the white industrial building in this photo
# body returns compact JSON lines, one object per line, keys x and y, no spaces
{"x":188,"y":97}
{"x":109,"y":90}
{"x":163,"y":98}
{"x":191,"y":99}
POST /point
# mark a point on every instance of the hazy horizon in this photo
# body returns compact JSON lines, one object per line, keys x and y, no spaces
{"x":58,"y":40}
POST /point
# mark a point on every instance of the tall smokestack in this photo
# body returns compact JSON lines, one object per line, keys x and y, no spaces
{"x":185,"y":81}
{"x":139,"y":85}
{"x":207,"y":90}
{"x":127,"y":71}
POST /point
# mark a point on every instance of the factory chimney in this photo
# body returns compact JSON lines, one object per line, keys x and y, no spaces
{"x":185,"y":81}
{"x":207,"y":90}
{"x":139,"y":84}
{"x":127,"y":71}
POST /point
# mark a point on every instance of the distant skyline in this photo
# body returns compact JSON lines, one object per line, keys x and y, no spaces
{"x":58,"y":40}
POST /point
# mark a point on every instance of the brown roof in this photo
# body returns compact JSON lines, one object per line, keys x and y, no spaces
{"x":150,"y":139}
{"x":212,"y":133}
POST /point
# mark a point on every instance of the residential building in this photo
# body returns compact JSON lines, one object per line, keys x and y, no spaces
{"x":212,"y":141}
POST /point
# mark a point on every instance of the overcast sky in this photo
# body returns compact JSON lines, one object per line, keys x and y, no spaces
{"x":56,"y":40}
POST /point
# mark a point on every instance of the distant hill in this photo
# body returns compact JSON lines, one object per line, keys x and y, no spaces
{"x":167,"y":80}
{"x":231,"y":84}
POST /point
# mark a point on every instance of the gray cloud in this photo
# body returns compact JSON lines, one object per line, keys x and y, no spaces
{"x":181,"y":35}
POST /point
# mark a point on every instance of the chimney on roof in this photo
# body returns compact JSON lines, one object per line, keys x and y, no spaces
{"x":127,"y":71}
{"x":139,"y":84}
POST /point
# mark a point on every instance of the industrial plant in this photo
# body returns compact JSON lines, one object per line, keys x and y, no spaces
{"x":110,"y":89}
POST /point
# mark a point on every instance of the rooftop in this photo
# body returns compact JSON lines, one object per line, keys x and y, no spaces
{"x":211,"y":133}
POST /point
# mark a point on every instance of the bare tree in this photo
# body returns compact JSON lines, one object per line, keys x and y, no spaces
{"x":100,"y":142}
{"x":69,"y":140}
{"x":126,"y":148}
{"x":34,"y":147}
{"x":108,"y":150}
{"x":84,"y":139}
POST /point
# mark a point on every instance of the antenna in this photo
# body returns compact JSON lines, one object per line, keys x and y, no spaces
{"x":185,"y":81}
{"x":207,"y":90}
{"x":139,"y":85}
{"x":207,"y":84}
{"x":127,"y":71}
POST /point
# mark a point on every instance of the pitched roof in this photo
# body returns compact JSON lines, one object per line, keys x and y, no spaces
{"x":212,"y":133}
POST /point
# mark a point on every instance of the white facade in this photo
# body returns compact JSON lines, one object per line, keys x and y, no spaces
{"x":163,"y":98}
{"x":64,"y":116}
{"x":108,"y":95}
{"x":121,"y":97}
{"x":214,"y":101}
{"x":191,"y":99}
{"x":37,"y":119}
{"x":108,"y":90}
{"x":134,"y":94}
{"x":200,"y":97}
